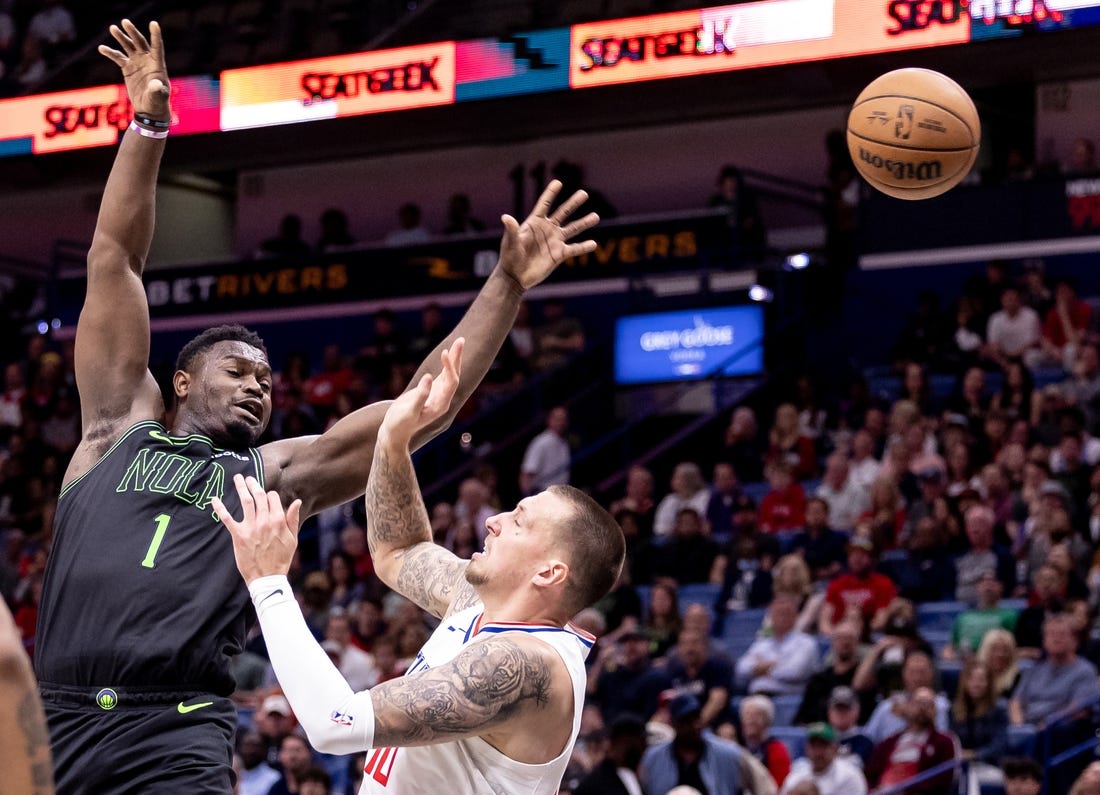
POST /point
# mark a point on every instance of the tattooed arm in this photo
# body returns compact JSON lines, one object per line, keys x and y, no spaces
{"x":24,"y":741}
{"x":399,"y":532}
{"x":490,"y":690}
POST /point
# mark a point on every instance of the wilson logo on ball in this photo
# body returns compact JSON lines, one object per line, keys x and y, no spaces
{"x":904,"y":169}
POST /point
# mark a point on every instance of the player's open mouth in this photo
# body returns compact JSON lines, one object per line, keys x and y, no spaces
{"x":251,"y":407}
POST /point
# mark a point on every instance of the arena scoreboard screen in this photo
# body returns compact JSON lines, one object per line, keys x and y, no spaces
{"x":689,"y":345}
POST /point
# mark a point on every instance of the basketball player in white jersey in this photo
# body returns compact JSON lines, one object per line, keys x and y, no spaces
{"x":492,"y":703}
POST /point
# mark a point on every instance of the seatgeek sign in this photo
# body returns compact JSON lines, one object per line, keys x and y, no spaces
{"x":656,"y":47}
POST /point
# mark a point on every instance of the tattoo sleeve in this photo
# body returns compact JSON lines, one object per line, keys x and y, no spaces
{"x":486,"y":685}
{"x":399,"y":536}
{"x":24,"y":740}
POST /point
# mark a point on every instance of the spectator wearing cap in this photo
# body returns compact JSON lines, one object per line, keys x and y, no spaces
{"x":860,"y":588}
{"x":1023,"y":776}
{"x":843,"y":716}
{"x":617,"y":773}
{"x":982,"y":555}
{"x":623,"y":680}
{"x":757,"y":716}
{"x":841,"y":661}
{"x":918,"y":747}
{"x":274,"y":721}
{"x":1059,"y":681}
{"x":970,"y":626}
{"x":692,"y":757}
{"x":822,"y":547}
{"x":782,"y":663}
{"x":832,"y":774}
{"x":845,"y":498}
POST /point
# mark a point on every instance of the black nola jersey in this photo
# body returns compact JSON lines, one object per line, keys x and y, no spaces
{"x":142,"y":589}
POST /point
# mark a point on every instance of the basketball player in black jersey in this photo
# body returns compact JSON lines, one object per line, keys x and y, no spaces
{"x":142,"y":606}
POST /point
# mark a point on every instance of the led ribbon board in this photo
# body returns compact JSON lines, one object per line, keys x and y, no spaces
{"x":96,"y":116}
{"x":339,"y":86}
{"x":743,"y":36}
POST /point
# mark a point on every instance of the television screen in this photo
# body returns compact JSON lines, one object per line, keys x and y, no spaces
{"x":689,"y":345}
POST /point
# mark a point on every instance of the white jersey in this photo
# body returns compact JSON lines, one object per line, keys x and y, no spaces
{"x":472,"y":766}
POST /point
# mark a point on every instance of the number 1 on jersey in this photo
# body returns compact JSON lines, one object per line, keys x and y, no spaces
{"x":162,"y":525}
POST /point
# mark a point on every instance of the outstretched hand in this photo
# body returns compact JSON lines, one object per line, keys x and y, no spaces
{"x":530,"y":251}
{"x":426,"y":402}
{"x":142,"y":64}
{"x":265,"y":538}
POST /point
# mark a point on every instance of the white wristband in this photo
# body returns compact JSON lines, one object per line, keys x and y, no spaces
{"x":266,"y":592}
{"x":141,"y":130}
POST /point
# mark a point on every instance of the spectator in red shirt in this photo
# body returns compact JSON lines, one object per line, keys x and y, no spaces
{"x":784,"y":507}
{"x":860,"y":588}
{"x":916,"y":749}
{"x":1064,"y":326}
{"x":322,"y":389}
{"x":787,"y":442}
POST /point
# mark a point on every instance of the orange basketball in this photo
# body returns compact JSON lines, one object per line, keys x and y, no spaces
{"x":913,"y":133}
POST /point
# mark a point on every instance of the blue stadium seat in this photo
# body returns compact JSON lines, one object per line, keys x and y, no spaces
{"x":786,"y":707}
{"x":740,"y":628}
{"x":794,"y":737}
{"x":702,"y":593}
{"x":938,"y":616}
{"x":1021,"y":740}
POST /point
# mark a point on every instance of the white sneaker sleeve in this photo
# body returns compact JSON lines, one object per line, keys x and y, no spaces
{"x":336,"y":720}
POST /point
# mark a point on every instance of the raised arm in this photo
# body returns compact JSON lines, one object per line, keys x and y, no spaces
{"x":112,"y":337}
{"x":333,"y":467}
{"x":399,"y":531}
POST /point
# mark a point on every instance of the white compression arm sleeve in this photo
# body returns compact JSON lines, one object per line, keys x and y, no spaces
{"x":336,"y":720}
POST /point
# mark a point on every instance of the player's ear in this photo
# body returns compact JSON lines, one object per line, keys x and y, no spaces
{"x":552,"y":572}
{"x":181,"y":383}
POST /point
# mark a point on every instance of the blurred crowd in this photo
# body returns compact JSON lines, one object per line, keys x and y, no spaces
{"x":34,"y":38}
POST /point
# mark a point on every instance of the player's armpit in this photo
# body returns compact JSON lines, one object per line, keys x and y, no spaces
{"x":489,"y":685}
{"x":434,"y":578}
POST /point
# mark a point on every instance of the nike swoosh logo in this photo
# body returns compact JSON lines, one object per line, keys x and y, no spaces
{"x":185,"y":708}
{"x":161,"y":436}
{"x":276,"y":592}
